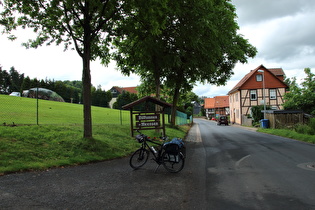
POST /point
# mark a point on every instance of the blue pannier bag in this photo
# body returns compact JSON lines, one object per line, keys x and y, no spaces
{"x":174,"y":146}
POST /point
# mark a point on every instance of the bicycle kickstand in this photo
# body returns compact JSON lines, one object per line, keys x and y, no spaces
{"x":157,"y":168}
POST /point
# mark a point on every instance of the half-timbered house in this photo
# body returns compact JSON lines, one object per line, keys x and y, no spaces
{"x":259,"y":86}
{"x":219,"y":105}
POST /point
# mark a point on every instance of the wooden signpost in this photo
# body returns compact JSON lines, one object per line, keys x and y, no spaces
{"x":147,"y":119}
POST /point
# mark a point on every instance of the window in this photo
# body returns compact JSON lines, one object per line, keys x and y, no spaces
{"x":273,"y":93}
{"x":259,"y":77}
{"x":253,"y":95}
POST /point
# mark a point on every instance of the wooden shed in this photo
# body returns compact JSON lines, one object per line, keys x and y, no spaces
{"x":284,"y":118}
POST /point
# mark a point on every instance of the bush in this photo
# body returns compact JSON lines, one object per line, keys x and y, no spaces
{"x":312,"y":124}
{"x":306,"y":128}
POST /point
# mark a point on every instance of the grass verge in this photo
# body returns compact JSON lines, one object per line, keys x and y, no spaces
{"x":289,"y":134}
{"x":25,"y":148}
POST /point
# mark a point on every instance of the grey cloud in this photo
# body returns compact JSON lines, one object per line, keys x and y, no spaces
{"x":255,"y":11}
{"x":294,"y":39}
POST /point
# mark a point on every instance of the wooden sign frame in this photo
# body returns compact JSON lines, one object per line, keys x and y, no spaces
{"x":147,"y":120}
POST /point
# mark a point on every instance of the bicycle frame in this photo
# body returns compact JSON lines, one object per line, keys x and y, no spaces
{"x":157,"y":155}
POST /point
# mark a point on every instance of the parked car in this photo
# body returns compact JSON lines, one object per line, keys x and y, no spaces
{"x":15,"y":94}
{"x":223,"y":120}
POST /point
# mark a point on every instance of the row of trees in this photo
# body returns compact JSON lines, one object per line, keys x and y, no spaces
{"x":70,"y":91}
{"x":176,"y":43}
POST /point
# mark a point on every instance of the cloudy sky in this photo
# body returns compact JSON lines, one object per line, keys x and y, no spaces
{"x":283,"y":31}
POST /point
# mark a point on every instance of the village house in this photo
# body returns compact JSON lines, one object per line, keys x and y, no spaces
{"x":258,"y":86}
{"x":217,"y":106}
{"x":116,"y":91}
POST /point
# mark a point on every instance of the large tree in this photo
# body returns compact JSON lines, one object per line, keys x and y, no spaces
{"x":139,"y":45}
{"x":198,"y":41}
{"x":86,"y":24}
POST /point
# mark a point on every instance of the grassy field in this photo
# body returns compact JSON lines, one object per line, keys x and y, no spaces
{"x":31,"y":147}
{"x":22,"y":110}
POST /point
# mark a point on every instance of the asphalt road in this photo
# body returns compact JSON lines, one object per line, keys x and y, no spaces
{"x":227,"y":167}
{"x":251,"y":170}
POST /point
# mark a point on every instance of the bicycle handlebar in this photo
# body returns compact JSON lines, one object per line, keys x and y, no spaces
{"x":164,"y":138}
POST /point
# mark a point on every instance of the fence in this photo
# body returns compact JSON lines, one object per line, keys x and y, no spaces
{"x":284,"y":118}
{"x":181,"y":118}
{"x":30,"y":111}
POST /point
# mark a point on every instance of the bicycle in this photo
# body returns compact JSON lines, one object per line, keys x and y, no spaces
{"x":170,"y":154}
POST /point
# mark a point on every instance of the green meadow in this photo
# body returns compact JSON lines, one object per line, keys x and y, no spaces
{"x":27,"y":111}
{"x":57,"y":140}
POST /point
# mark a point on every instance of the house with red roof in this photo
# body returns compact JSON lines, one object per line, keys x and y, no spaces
{"x":219,"y":105}
{"x":258,"y":86}
{"x":116,"y":91}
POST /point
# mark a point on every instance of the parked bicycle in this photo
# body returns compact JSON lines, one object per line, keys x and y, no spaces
{"x":170,"y":154}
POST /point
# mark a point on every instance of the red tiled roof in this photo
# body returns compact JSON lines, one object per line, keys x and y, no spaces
{"x":209,"y":103}
{"x":276,"y":71}
{"x":216,"y":102}
{"x":128,"y":89}
{"x":131,"y":89}
{"x":221,"y":101}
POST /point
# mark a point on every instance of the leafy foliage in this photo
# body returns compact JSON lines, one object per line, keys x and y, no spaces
{"x":197,"y":41}
{"x":257,"y":113}
{"x":124,"y":98}
{"x":10,"y":81}
{"x":301,"y":97}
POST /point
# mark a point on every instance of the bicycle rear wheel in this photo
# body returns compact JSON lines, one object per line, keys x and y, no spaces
{"x":173,"y":162}
{"x":139,"y":158}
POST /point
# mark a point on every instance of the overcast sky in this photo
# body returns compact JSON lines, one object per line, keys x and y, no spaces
{"x":283,"y":31}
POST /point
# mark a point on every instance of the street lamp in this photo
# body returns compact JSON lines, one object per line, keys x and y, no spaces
{"x":264,"y":96}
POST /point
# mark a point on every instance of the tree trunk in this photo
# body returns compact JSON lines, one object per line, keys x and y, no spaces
{"x":157,"y":88}
{"x":175,"y":100}
{"x":176,"y":95}
{"x":86,"y":76}
{"x":157,"y":78}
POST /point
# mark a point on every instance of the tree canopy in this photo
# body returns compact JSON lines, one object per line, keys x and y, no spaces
{"x":301,"y":97}
{"x":197,"y":41}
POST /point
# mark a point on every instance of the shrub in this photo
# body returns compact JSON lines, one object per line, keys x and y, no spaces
{"x":306,"y":128}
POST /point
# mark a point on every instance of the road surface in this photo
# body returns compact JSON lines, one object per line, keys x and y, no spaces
{"x":227,"y":167}
{"x":251,"y":170}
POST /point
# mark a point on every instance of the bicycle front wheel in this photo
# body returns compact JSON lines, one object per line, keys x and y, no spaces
{"x":173,"y":162}
{"x":139,"y":158}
